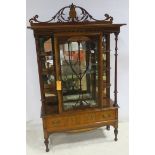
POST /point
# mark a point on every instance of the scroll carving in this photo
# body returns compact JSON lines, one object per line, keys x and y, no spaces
{"x":61,"y":16}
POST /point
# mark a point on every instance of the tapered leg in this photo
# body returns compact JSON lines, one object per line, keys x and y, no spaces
{"x":115,"y":132}
{"x":46,"y":144}
{"x":108,"y":127}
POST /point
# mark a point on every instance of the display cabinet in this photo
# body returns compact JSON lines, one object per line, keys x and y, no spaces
{"x":73,"y":55}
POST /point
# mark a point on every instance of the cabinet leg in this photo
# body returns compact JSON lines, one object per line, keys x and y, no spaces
{"x":115,"y":132}
{"x":46,"y":144}
{"x":108,"y":127}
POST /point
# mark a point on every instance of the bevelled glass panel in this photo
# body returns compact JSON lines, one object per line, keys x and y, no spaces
{"x":79,"y":72}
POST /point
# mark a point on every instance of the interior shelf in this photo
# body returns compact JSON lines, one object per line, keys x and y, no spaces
{"x":50,"y":53}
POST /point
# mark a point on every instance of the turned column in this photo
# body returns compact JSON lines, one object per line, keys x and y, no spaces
{"x":115,"y":81}
{"x":46,"y":144}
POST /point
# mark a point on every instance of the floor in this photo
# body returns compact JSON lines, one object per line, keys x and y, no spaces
{"x":94,"y":142}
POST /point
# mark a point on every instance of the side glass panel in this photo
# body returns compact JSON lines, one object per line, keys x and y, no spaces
{"x":79,"y":72}
{"x":46,"y":57}
{"x":106,"y":69}
{"x":104,"y":65}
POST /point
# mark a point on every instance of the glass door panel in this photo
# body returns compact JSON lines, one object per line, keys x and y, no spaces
{"x":79,"y":72}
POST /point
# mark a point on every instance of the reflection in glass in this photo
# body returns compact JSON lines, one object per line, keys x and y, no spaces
{"x":78,"y":59}
{"x":47,"y":65}
{"x":104,"y":57}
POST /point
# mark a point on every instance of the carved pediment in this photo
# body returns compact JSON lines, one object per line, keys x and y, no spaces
{"x":72,"y":13}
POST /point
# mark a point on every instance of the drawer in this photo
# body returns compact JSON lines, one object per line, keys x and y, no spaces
{"x":78,"y":120}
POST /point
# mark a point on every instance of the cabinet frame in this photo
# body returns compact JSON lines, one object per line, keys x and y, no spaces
{"x":106,"y":113}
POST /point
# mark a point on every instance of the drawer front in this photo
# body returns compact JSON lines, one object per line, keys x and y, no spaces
{"x":66,"y":122}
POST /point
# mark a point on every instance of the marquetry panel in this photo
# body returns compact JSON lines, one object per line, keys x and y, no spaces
{"x":79,"y":120}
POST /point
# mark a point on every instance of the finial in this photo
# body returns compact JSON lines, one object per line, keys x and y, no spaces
{"x":72,"y":13}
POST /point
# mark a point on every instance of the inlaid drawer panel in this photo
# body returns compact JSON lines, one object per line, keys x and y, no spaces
{"x":62,"y":122}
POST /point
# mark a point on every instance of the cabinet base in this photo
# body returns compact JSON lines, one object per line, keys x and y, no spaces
{"x":80,"y":121}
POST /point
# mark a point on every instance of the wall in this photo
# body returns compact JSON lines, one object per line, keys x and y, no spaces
{"x":46,"y":9}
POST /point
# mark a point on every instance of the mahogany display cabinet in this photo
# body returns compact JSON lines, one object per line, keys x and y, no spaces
{"x":73,"y":55}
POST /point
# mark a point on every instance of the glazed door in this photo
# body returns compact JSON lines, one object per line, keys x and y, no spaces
{"x":79,"y":70}
{"x":46,"y":66}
